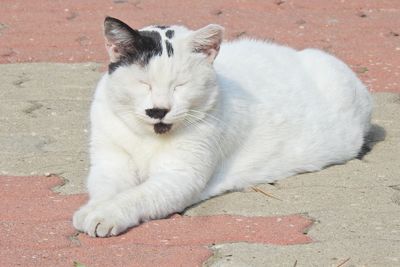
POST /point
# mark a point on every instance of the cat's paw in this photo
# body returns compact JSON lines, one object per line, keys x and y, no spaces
{"x":80,"y":215}
{"x":106,"y":220}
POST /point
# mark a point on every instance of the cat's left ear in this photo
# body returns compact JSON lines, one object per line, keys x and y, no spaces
{"x":120,"y":38}
{"x":207,"y":40}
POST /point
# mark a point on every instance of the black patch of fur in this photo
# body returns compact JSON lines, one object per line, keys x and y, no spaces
{"x":144,"y":46}
{"x":162,"y":27}
{"x":151,"y":34}
{"x":170,"y":49}
{"x":161,"y":128}
{"x":170,"y":34}
{"x":115,"y":65}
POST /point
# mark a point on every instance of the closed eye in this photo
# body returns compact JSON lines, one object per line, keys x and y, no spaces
{"x":180,"y":85}
{"x":148,"y":85}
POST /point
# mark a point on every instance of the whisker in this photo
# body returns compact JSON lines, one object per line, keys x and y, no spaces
{"x":196,"y":125}
{"x":209,"y":116}
{"x":218,"y":142}
{"x":218,"y":120}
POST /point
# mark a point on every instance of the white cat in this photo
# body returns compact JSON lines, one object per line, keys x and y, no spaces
{"x":172,"y":127}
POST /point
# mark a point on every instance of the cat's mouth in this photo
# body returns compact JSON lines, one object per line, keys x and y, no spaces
{"x":162,"y":128}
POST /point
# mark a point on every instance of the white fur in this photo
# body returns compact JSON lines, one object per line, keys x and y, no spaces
{"x":259,"y":113}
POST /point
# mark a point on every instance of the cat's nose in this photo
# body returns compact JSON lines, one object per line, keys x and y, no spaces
{"x":156,"y":113}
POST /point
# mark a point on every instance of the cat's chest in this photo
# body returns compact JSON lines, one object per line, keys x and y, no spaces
{"x":142,"y":152}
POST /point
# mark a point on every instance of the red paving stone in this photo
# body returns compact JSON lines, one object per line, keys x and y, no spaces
{"x":36,"y":230}
{"x":182,"y":230}
{"x":365,"y":33}
{"x":129,"y":255}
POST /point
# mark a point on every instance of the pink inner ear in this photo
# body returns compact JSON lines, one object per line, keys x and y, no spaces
{"x":112,"y":51}
{"x":212,"y":53}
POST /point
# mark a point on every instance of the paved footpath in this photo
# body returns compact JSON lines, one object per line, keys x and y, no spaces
{"x":51,"y":56}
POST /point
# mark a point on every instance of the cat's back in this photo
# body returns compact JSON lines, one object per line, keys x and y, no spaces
{"x":306,"y":109}
{"x":273,"y":74}
{"x":264,"y":76}
{"x":249,"y":59}
{"x":251,"y":49}
{"x":263,"y":70}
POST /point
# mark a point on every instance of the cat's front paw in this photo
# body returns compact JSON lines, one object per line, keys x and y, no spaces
{"x":80,"y":215}
{"x":106,"y":220}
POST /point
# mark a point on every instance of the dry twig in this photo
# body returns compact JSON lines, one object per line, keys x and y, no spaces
{"x":343,"y":262}
{"x":265,"y":193}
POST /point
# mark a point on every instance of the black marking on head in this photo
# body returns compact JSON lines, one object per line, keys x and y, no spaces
{"x":162,"y":27}
{"x":169,"y":34}
{"x":143,"y":48}
{"x":161,"y":128}
{"x":152,"y":34}
{"x":170,"y":49}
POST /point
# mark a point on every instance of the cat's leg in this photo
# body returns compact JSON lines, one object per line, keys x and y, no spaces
{"x":111,"y":172}
{"x":176,"y":179}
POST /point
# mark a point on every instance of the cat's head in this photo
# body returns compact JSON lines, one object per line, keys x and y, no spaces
{"x":161,"y":78}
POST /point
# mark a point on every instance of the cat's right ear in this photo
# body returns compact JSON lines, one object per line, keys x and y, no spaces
{"x":207,"y":41}
{"x":120,"y":38}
